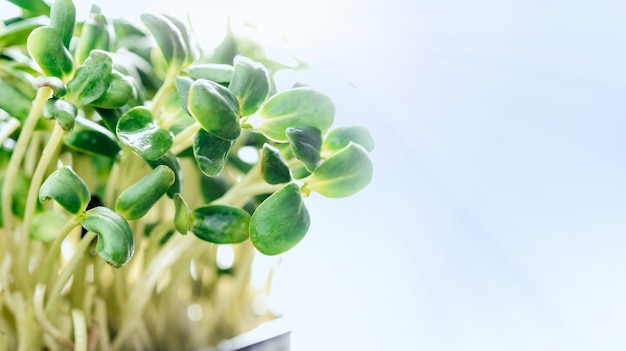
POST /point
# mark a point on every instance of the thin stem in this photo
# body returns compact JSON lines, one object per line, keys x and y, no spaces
{"x":9,"y":128}
{"x":161,"y":95}
{"x":55,"y":248}
{"x":184,"y":138}
{"x":69,"y":269}
{"x":40,"y":314}
{"x":18,"y":154}
{"x":101,"y":318}
{"x":80,"y":330}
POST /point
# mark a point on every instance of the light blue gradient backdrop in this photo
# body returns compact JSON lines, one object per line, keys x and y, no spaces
{"x":496,"y":217}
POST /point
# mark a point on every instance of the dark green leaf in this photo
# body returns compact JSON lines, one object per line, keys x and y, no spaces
{"x":16,"y":33}
{"x":339,"y":138}
{"x":139,"y":198}
{"x":215,"y":108}
{"x":63,"y":19}
{"x":273,"y":167}
{"x":213,"y":188}
{"x":62,"y":111}
{"x":47,"y":224}
{"x":67,"y":189}
{"x":306,"y":144}
{"x":182,"y":215}
{"x":215,"y":72}
{"x":343,"y":174}
{"x":250,"y":84}
{"x":116,"y":244}
{"x":168,"y":38}
{"x":46,"y":47}
{"x":138,"y":130}
{"x":280,"y":222}
{"x":120,"y":90}
{"x":221,"y":224}
{"x":210,"y":152}
{"x":171,"y":162}
{"x":92,"y":138}
{"x":91,"y":80}
{"x":296,"y":108}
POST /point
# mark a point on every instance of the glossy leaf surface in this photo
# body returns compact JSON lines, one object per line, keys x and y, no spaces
{"x":273,"y":167}
{"x":63,"y":19}
{"x":92,"y":138}
{"x":210,"y":152}
{"x":343,"y":174}
{"x":221,"y":224}
{"x":295,"y":108}
{"x":138,"y":199}
{"x":182,"y":214}
{"x":91,"y":80}
{"x":47,"y":224}
{"x":250,"y":84}
{"x":280,"y":222}
{"x":67,"y":189}
{"x":215,"y":108}
{"x":116,"y":244}
{"x":339,"y":138}
{"x":306,"y":145}
{"x":45,"y":46}
{"x":168,"y":38}
{"x":138,"y":130}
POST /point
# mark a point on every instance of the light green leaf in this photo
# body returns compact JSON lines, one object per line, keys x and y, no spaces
{"x":91,"y":80}
{"x":16,"y":33}
{"x":63,"y":19}
{"x":116,"y":244}
{"x":120,"y":91}
{"x":250,"y":84}
{"x":215,"y":108}
{"x":210,"y":152}
{"x":183,"y":84}
{"x":339,"y":138}
{"x":280,"y":222}
{"x":215,"y":72}
{"x":45,"y":46}
{"x":38,"y":7}
{"x":273,"y":167}
{"x":47,"y":224}
{"x":94,"y":35}
{"x":182,"y":215}
{"x":139,"y":198}
{"x":137,"y":129}
{"x":67,"y":189}
{"x":221,"y":224}
{"x":295,"y":108}
{"x":168,"y":38}
{"x":343,"y":174}
{"x":62,"y":111}
{"x":14,"y":102}
{"x":306,"y":144}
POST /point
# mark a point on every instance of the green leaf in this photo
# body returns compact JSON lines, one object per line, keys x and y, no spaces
{"x":120,"y":90}
{"x":47,"y":224}
{"x":306,"y":144}
{"x":92,"y":138}
{"x":212,"y":188}
{"x":183,"y":84}
{"x":14,"y":102}
{"x":182,"y":215}
{"x":339,"y":138}
{"x":62,"y":111}
{"x":94,"y":35}
{"x":343,"y":174}
{"x":215,"y":72}
{"x":138,"y":130}
{"x":63,"y":19}
{"x":67,"y":189}
{"x":280,"y":222}
{"x":16,"y":33}
{"x":215,"y":108}
{"x":295,"y":108}
{"x":221,"y":224}
{"x":168,"y":38}
{"x":171,"y":162}
{"x":139,"y":198}
{"x":45,"y":46}
{"x":116,"y":244}
{"x":38,"y":7}
{"x":59,"y":89}
{"x":273,"y":167}
{"x":91,"y":80}
{"x":210,"y":152}
{"x":190,"y":53}
{"x":250,"y":84}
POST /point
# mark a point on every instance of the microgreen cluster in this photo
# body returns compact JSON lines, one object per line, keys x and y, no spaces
{"x":120,"y":139}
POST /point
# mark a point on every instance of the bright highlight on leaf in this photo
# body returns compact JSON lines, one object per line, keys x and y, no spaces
{"x":210,"y":152}
{"x":138,"y":130}
{"x":220,"y":224}
{"x":215,"y":108}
